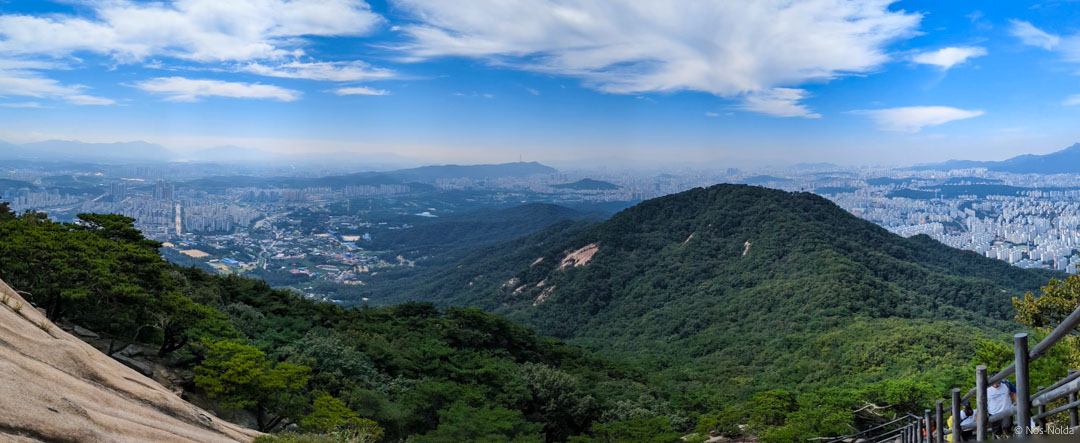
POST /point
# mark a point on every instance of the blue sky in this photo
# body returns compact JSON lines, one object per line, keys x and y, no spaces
{"x":706,"y":83}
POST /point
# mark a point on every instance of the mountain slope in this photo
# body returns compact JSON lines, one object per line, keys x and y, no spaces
{"x":474,"y":228}
{"x":57,"y":388}
{"x":765,"y":287}
{"x":1065,"y":161}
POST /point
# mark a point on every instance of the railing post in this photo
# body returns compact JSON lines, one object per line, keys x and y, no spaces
{"x":956,"y":432}
{"x":928,"y":433}
{"x":1074,"y":421}
{"x":1023,"y":388}
{"x":1041,"y":423}
{"x":939,"y":417}
{"x":981,"y":418}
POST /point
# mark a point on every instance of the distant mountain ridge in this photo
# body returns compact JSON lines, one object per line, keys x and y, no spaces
{"x":1065,"y":161}
{"x":420,"y":177}
{"x":74,"y":151}
{"x":435,"y":172}
{"x":587,"y":184}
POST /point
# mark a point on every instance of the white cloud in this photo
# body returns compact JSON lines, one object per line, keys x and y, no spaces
{"x":360,"y":90}
{"x":1032,"y":36}
{"x":82,"y":99}
{"x":728,"y":49}
{"x":533,"y":91}
{"x":779,"y":102}
{"x":711,"y":114}
{"x":327,"y":71}
{"x":191,"y":90}
{"x":946,"y":58}
{"x":1067,"y":46}
{"x":199,"y":30}
{"x":262,"y":35}
{"x":915,"y":118}
{"x":21,"y":105}
{"x":27,"y":83}
{"x":1070,"y":48}
{"x":1072,"y":100}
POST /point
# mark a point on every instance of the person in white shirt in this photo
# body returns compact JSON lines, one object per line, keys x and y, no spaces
{"x":999,"y":398}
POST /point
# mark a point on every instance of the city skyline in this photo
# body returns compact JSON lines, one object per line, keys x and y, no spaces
{"x":854,"y":83}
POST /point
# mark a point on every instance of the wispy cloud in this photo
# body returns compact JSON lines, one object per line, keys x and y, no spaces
{"x":27,"y":83}
{"x":779,"y":102}
{"x":631,"y":47}
{"x":946,"y":58}
{"x":265,"y":37}
{"x":474,"y":94}
{"x":1067,"y":46}
{"x":360,"y":90}
{"x":190,"y":90}
{"x":21,"y":105}
{"x":1032,"y":36}
{"x":326,"y":71}
{"x":1072,"y":100}
{"x":711,"y":114}
{"x":199,"y":30}
{"x":915,"y":118}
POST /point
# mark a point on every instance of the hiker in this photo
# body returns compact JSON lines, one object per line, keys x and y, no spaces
{"x":967,"y":416}
{"x":999,"y":398}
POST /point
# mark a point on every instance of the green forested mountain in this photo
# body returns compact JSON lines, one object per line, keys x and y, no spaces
{"x":726,"y":291}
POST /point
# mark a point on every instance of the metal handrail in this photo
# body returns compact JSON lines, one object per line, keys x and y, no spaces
{"x":1059,"y":384}
{"x":1025,"y":399}
{"x":905,"y":417}
{"x":1067,"y":325}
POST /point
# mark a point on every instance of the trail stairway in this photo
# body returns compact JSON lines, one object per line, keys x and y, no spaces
{"x":1030,"y":408}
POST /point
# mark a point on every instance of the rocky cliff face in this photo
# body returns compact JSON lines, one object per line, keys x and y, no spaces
{"x":54,"y":387}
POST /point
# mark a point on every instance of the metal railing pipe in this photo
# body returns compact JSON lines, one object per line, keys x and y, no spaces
{"x":1067,"y":326}
{"x":956,"y":415}
{"x":1041,"y":421}
{"x":939,"y":421}
{"x":981,"y":421}
{"x":907,"y":417}
{"x":1001,"y":375}
{"x":1074,"y":420}
{"x":1023,"y":388}
{"x":927,"y":430}
{"x":1073,"y":375}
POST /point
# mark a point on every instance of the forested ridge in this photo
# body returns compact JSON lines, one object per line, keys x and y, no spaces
{"x":408,"y":372}
{"x":729,"y":310}
{"x":726,"y":291}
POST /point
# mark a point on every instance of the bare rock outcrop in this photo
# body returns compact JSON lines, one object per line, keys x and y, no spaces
{"x":55,"y":387}
{"x":580,"y":257}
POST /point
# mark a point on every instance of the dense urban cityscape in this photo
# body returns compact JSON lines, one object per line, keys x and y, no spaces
{"x":299,"y":235}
